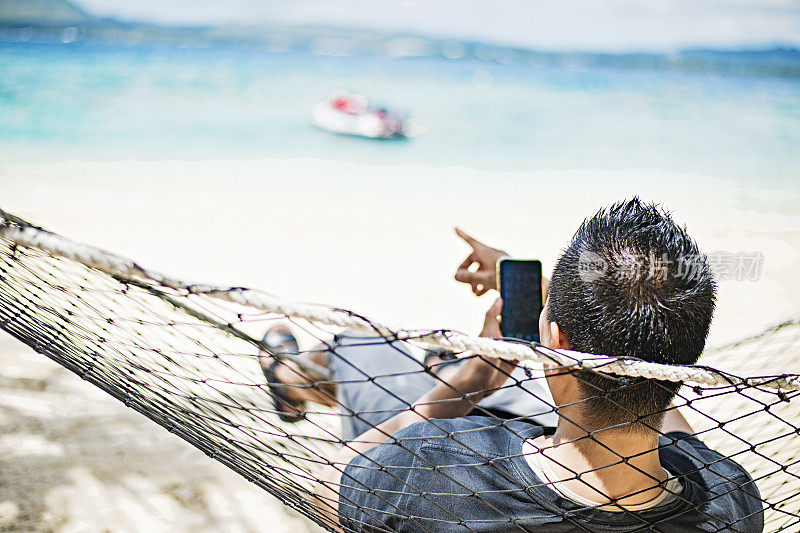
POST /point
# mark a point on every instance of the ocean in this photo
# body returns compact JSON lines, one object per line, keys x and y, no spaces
{"x":86,"y":101}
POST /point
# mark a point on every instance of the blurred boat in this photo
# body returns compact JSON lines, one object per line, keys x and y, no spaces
{"x":350,"y":114}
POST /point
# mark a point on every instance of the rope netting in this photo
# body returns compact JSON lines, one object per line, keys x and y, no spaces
{"x":195,"y":359}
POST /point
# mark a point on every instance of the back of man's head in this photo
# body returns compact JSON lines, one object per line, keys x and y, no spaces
{"x":632,"y":283}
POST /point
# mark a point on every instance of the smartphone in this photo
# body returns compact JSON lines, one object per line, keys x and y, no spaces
{"x":520,"y":284}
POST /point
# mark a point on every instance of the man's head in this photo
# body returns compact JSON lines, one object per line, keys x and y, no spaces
{"x":631,"y":283}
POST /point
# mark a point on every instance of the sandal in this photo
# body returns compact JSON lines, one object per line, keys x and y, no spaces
{"x":279,"y":341}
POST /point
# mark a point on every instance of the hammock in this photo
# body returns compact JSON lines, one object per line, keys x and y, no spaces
{"x":186,"y":356}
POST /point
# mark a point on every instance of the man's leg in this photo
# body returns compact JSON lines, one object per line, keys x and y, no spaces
{"x":372,"y":380}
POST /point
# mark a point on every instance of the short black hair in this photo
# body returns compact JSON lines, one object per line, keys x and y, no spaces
{"x":633,"y":283}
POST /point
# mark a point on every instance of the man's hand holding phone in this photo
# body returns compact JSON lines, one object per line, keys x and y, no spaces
{"x":491,"y":324}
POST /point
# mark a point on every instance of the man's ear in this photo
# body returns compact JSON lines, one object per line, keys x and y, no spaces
{"x":558,"y":341}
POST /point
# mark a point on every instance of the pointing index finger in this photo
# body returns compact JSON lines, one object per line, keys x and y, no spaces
{"x":467,"y":237}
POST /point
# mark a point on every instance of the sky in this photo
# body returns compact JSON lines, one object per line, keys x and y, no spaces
{"x":566,"y":25}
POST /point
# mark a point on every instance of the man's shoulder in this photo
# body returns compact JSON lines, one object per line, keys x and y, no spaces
{"x":716,"y":485}
{"x":686,"y":454}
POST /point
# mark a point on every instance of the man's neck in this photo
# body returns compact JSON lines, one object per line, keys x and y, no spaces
{"x":598,"y":458}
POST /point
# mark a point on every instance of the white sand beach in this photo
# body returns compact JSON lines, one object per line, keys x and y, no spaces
{"x":74,"y":460}
{"x":377,"y":240}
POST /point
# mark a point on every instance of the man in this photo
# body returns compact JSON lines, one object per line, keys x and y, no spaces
{"x":619,"y":457}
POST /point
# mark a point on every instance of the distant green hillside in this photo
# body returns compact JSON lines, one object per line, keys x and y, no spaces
{"x":42,"y":13}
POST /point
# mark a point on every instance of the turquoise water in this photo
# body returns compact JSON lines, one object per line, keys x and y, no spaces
{"x":82,"y":101}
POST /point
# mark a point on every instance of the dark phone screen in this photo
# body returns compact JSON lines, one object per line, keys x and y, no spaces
{"x":521,"y":290}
